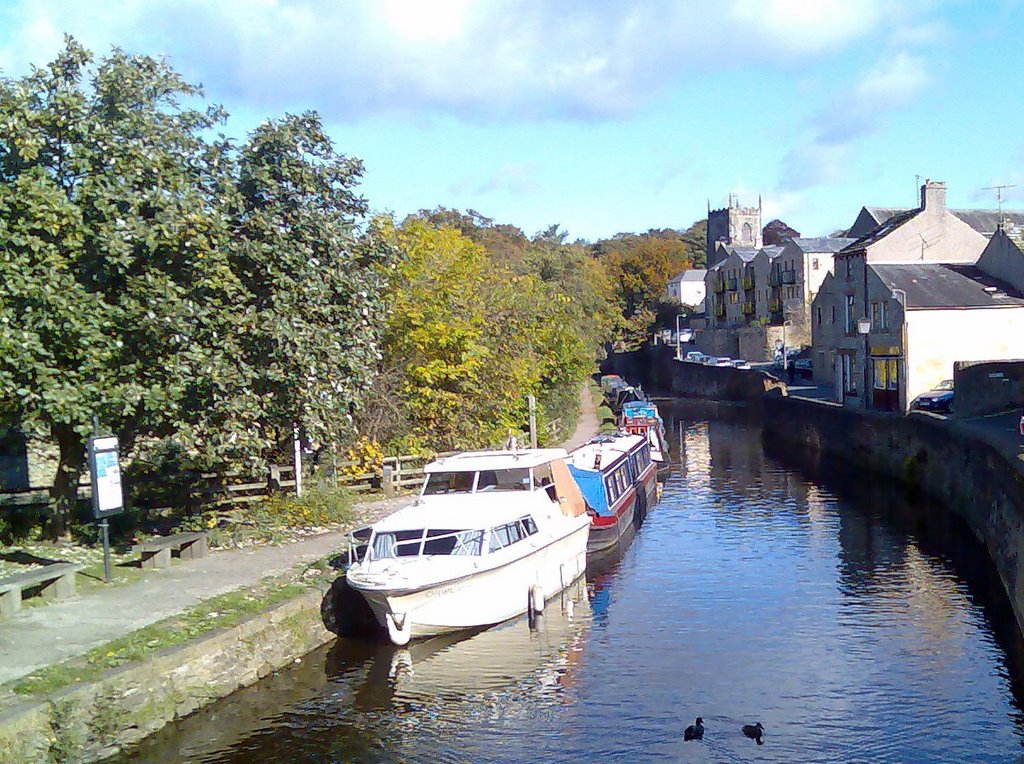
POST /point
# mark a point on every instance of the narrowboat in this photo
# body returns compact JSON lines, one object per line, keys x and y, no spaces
{"x":618,"y":481}
{"x":643,"y":418}
{"x":492,"y":535}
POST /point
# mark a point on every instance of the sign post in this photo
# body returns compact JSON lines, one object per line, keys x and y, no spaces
{"x":107,"y":497}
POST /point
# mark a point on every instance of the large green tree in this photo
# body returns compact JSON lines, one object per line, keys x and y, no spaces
{"x":185,"y":292}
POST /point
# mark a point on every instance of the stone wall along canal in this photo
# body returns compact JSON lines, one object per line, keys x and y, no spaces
{"x":856,"y":623}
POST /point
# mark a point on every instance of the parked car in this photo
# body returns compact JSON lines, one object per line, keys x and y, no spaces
{"x":695,"y":356}
{"x":939,"y":398}
{"x":685,"y":335}
{"x":739,"y":363}
{"x":804,"y":367}
{"x":722,"y":362}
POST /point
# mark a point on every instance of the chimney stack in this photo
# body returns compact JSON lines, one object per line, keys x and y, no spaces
{"x":933,"y":196}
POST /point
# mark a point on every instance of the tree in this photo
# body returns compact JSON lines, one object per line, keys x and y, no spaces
{"x":192,"y":296}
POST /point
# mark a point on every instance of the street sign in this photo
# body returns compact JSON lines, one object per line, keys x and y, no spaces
{"x":107,"y":496}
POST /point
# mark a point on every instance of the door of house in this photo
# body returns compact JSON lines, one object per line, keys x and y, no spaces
{"x":885,"y":393}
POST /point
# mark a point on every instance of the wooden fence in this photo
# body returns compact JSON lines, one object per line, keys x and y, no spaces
{"x":209,"y":490}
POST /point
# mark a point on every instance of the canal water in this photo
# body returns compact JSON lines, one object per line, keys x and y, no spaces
{"x":857,"y":623}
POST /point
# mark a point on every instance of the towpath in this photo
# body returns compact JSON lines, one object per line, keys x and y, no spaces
{"x":46,"y":635}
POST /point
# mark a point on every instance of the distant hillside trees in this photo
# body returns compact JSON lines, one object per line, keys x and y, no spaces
{"x":640,"y":266}
{"x":196,"y":296}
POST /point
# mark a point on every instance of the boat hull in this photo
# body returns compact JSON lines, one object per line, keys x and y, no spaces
{"x":483,"y":598}
{"x":604,"y":535}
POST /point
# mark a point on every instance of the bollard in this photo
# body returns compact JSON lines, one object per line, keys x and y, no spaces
{"x":388,"y":481}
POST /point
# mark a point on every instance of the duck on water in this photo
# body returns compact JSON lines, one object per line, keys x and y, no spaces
{"x":695,"y":731}
{"x":754,"y":732}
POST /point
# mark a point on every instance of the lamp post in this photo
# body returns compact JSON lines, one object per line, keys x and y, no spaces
{"x":901,"y":376}
{"x":864,"y":328}
{"x":678,"y":316}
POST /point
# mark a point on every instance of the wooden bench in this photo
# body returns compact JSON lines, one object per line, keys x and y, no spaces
{"x":156,"y":553}
{"x":58,"y":582}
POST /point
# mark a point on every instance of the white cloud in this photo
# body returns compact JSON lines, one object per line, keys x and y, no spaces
{"x":808,"y":26}
{"x":484,"y":59}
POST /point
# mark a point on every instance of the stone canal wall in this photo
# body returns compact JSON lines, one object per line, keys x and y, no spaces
{"x":94,"y":720}
{"x":660,"y":374}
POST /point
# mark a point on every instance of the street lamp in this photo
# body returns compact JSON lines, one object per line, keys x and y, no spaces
{"x":864,"y":328}
{"x":678,"y":316}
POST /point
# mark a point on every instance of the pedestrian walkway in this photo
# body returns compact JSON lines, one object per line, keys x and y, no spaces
{"x":48,"y":634}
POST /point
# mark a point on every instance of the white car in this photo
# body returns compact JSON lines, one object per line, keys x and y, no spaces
{"x":695,"y":356}
{"x":740,"y":364}
{"x":723,"y":362}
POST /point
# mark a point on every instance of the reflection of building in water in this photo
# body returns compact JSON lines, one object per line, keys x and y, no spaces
{"x":695,"y":454}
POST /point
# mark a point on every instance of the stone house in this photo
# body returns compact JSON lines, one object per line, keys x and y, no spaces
{"x":913,"y":283}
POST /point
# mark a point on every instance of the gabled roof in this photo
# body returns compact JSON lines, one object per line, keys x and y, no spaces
{"x":689,"y":275}
{"x":882,"y":230}
{"x":822,"y":244}
{"x":982,"y":221}
{"x":943,"y":285}
{"x":746,"y":254}
{"x":986,"y":221}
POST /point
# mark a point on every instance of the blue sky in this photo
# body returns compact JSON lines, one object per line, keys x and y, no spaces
{"x":603,"y":115}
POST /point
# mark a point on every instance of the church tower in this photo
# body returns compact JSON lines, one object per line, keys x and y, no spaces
{"x":733,"y":225}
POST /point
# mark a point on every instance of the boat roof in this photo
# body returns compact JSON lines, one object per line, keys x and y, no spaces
{"x":474,"y":461}
{"x":611,"y":447}
{"x":464,"y":511}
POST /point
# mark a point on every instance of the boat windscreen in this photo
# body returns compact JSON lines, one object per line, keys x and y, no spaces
{"x":448,"y":482}
{"x":455,"y":543}
{"x":516,"y":479}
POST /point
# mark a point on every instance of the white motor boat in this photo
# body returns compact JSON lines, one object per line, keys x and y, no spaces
{"x":492,"y":535}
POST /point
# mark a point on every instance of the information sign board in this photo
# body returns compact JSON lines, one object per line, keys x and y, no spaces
{"x":107,"y":497}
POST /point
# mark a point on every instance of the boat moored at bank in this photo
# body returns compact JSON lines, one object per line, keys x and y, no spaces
{"x":643,"y":418}
{"x":618,"y":480}
{"x":492,"y":534}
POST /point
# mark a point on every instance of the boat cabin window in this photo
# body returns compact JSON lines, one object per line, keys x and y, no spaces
{"x":448,"y":482}
{"x":456,"y":543}
{"x":397,"y":544}
{"x":508,"y":534}
{"x":517,"y":479}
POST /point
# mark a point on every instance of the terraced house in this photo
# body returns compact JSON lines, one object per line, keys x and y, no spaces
{"x":920,"y":291}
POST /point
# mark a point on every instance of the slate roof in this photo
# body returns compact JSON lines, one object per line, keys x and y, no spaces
{"x":822,"y":244}
{"x":982,"y":221}
{"x":882,"y":230}
{"x":693,"y":274}
{"x":944,"y":285}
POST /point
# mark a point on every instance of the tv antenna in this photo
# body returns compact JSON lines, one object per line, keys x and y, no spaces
{"x":999,"y":195}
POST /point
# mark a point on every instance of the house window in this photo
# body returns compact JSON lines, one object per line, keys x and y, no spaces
{"x":851,"y":323}
{"x":814,"y":264}
{"x":819,"y":315}
{"x":832,"y":320}
{"x":879,"y":317}
{"x":849,"y":267}
{"x":733,"y":298}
